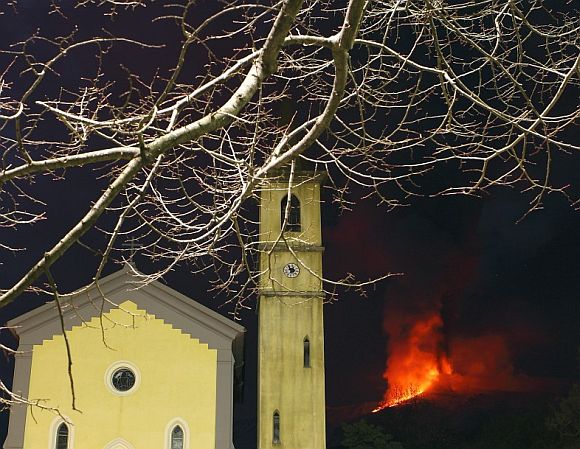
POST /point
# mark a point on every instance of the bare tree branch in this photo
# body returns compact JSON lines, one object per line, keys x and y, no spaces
{"x":401,"y":98}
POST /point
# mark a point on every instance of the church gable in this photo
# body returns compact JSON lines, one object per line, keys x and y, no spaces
{"x":126,"y":284}
{"x":149,"y":365}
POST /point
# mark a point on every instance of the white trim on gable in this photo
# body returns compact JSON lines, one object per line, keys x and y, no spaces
{"x":160,"y":300}
{"x":119,"y":443}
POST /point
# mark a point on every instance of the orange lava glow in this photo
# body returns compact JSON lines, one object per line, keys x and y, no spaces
{"x":415,"y":364}
{"x":420,"y":361}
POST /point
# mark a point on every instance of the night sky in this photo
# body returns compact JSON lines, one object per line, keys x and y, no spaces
{"x":490,"y":274}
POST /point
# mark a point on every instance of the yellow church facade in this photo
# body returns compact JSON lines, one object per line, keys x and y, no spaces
{"x":154,"y":370}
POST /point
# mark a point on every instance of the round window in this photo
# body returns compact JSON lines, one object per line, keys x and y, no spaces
{"x":123,"y":379}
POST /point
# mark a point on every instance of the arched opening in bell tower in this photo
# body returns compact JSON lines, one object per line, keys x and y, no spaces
{"x":293,"y":223}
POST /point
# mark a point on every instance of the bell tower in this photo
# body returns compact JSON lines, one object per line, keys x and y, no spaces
{"x":291,"y":405}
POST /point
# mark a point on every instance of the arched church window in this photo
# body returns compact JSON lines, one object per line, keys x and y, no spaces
{"x":306,"y":352}
{"x":293,"y":223}
{"x":276,"y":428}
{"x":177,"y":438}
{"x":62,"y":436}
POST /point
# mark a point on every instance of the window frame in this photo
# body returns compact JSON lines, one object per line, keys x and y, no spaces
{"x":294,"y":223}
{"x":173,"y":436}
{"x":276,"y":428}
{"x":53,"y":433}
{"x":120,"y":364}
{"x":169,"y":432}
{"x":57,"y":440}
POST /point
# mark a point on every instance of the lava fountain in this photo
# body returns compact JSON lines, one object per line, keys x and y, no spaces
{"x":421,"y":361}
{"x":416,"y":361}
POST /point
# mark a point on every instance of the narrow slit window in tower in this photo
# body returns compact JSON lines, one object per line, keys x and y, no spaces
{"x":177,"y":438}
{"x":62,"y":437}
{"x":293,"y":223}
{"x":276,"y":429}
{"x":306,"y":352}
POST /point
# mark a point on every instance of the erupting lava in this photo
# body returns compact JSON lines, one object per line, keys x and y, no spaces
{"x":415,"y":362}
{"x":421,"y":360}
{"x":428,"y":356}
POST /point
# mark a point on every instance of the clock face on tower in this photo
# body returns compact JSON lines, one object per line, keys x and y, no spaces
{"x":291,"y":270}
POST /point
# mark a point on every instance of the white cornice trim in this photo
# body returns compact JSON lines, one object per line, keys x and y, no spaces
{"x":116,"y":283}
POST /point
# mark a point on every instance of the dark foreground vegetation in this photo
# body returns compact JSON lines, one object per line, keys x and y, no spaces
{"x":491,"y":421}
